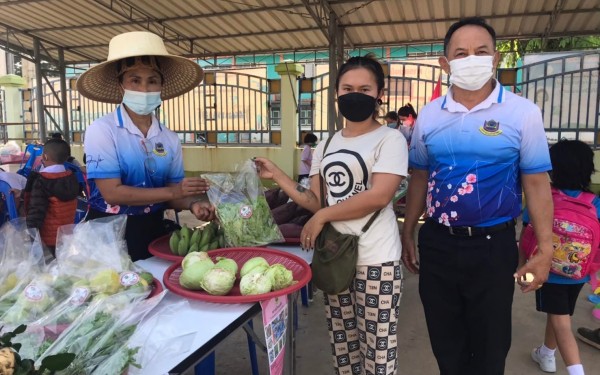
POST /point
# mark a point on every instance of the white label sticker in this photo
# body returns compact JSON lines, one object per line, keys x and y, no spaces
{"x":33,"y":293}
{"x":246,"y":212}
{"x":79,"y":295}
{"x":129,"y":278}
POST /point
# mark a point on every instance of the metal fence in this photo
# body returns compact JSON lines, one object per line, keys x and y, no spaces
{"x":566,"y":90}
{"x":232,"y":108}
{"x":412,"y":83}
{"x":226,"y":108}
{"x":313,"y":106}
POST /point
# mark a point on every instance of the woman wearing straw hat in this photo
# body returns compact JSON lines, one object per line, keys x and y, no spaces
{"x":135,"y":164}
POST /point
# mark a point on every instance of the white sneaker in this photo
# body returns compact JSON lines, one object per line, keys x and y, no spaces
{"x":547,"y":363}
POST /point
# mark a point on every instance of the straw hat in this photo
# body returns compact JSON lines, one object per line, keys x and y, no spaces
{"x":101,"y":82}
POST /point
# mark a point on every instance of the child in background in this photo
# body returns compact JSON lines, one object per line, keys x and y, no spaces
{"x":391,"y":120}
{"x":306,"y":157}
{"x":572,"y":168}
{"x":407,"y":116}
{"x":51,"y":195}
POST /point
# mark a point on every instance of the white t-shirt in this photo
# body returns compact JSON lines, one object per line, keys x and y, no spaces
{"x":348,"y":167}
{"x":305,"y":159}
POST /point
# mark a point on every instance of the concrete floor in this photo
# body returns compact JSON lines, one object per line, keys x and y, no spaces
{"x":415,"y":355}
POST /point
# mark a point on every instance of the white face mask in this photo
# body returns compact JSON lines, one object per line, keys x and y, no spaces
{"x":472,"y":72}
{"x":141,"y":103}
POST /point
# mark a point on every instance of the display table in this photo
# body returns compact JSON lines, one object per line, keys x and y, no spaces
{"x":215,"y":321}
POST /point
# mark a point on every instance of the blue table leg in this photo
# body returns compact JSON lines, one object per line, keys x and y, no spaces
{"x":304,"y":295}
{"x":206,"y":366}
{"x":252,"y":351}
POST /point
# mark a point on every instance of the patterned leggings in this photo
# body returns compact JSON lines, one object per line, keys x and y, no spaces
{"x":362,"y":321}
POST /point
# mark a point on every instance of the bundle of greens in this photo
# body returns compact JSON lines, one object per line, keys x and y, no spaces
{"x":242,"y":208}
{"x":99,"y":337}
{"x":12,"y":362}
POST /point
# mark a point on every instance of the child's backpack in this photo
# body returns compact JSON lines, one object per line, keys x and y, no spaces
{"x":575,"y":236}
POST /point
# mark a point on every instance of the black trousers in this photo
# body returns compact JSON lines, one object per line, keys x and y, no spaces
{"x":466,"y":285}
{"x":140,"y":230}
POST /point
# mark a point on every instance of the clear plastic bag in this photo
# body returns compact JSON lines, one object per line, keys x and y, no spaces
{"x":99,"y":336}
{"x":93,"y":257}
{"x":86,"y":271}
{"x":241,"y":207}
{"x":21,"y":257}
{"x":38,"y":297}
{"x":158,"y":336}
{"x":96,"y":244}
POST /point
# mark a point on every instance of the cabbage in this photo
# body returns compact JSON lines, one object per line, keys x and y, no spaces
{"x":192,"y":275}
{"x":193,"y":257}
{"x":252,"y":263}
{"x":228,"y":264}
{"x":280,"y":276}
{"x":255,"y":283}
{"x":218,"y":281}
{"x":261,"y":268}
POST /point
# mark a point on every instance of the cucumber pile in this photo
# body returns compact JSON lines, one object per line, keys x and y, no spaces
{"x":188,"y":240}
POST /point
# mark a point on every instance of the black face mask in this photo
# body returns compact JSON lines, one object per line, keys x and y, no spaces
{"x":356,"y":106}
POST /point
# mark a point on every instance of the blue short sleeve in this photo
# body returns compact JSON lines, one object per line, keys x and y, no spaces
{"x":101,"y":155}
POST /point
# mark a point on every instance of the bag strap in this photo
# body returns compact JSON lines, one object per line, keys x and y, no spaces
{"x":322,"y":190}
{"x":584,"y":196}
{"x":321,"y":181}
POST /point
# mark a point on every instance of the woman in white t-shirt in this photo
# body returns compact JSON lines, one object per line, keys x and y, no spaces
{"x":309,"y":141}
{"x":362,"y":166}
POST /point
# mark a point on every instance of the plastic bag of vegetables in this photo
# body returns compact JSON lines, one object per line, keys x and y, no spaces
{"x":100,"y":336}
{"x":242,"y":208}
{"x":21,"y":258}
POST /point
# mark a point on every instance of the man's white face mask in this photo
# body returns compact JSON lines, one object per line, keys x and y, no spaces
{"x":472,"y":72}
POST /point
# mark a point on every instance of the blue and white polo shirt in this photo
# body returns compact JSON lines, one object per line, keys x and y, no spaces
{"x":475,"y":157}
{"x":116,"y":148}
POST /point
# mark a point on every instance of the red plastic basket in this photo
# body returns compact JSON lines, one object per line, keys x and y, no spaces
{"x":160,"y":249}
{"x":300,"y":270}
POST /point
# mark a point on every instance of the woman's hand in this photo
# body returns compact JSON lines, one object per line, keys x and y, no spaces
{"x":310,"y":231}
{"x":190,"y":186}
{"x":266,"y":168}
{"x":203,"y":210}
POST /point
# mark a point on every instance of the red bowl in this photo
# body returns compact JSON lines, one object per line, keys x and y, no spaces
{"x":160,"y":249}
{"x":300,"y":270}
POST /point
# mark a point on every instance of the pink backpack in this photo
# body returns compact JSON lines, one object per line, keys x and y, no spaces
{"x":575,"y":236}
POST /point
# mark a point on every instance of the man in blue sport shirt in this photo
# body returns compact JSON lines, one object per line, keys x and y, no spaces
{"x":471,"y":152}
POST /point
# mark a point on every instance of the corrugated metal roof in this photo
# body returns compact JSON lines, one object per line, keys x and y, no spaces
{"x":209,"y":28}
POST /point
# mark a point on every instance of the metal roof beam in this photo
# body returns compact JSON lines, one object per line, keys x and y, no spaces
{"x":19,"y":2}
{"x":12,"y":30}
{"x":126,"y":11}
{"x":316,"y":14}
{"x":326,"y":47}
{"x":328,"y":6}
{"x":212,"y":37}
{"x":454,"y":19}
{"x":189,"y":17}
{"x":558,"y":8}
{"x":370,"y":45}
{"x":396,"y":22}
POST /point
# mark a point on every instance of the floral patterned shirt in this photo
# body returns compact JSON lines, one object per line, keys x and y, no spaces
{"x":475,"y":157}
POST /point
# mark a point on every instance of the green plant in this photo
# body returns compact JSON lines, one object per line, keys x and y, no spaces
{"x":11,"y":362}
